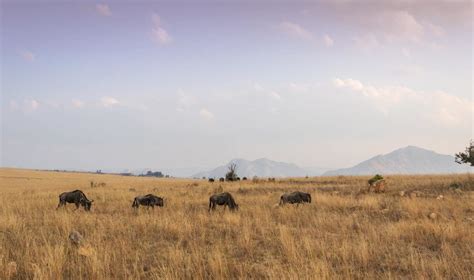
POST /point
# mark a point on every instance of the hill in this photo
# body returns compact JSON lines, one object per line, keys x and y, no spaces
{"x":408,"y":160}
{"x":261,"y":167}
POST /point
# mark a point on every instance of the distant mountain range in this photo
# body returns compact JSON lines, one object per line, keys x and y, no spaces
{"x":408,"y":160}
{"x":261,"y":167}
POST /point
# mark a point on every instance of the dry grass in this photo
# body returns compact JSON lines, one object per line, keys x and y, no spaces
{"x":343,"y":234}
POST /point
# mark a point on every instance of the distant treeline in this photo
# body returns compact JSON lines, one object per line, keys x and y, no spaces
{"x":157,"y":174}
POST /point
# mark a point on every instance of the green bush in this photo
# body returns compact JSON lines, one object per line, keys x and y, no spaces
{"x":376,"y":178}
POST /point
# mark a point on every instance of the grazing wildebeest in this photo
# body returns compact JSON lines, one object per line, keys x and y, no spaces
{"x":295,"y":197}
{"x":77,"y":197}
{"x":237,"y":179}
{"x":221,"y":179}
{"x":211,"y":180}
{"x":244,"y":179}
{"x":225,"y":199}
{"x":148,"y":200}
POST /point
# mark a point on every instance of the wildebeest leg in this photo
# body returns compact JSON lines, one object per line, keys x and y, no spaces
{"x":77,"y":205}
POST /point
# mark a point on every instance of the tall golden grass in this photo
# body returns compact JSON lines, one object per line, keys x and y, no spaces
{"x":344,"y":234}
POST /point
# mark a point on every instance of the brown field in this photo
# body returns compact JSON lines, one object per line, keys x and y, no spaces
{"x":343,"y":234}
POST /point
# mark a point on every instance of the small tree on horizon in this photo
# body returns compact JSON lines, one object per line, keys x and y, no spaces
{"x":231,"y":174}
{"x":467,"y":156}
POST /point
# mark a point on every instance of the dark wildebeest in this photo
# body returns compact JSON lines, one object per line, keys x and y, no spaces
{"x":77,"y":197}
{"x":237,"y":179}
{"x":244,"y":179}
{"x":221,"y":179}
{"x":211,"y":180}
{"x":148,"y":200}
{"x":225,"y":199}
{"x":295,"y":197}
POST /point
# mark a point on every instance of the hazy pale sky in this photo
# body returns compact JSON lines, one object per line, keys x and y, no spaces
{"x":121,"y":84}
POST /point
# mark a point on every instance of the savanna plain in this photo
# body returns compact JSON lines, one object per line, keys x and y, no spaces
{"x":420,"y":228}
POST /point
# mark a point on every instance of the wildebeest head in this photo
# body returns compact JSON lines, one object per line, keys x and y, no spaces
{"x":87,"y":204}
{"x":135,"y":203}
{"x":160,"y":202}
{"x":232,"y":204}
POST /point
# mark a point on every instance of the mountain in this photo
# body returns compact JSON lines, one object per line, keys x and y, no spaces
{"x":408,"y":160}
{"x":261,"y":167}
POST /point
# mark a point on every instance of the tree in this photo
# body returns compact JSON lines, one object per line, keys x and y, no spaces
{"x":467,"y":156}
{"x":231,"y":175}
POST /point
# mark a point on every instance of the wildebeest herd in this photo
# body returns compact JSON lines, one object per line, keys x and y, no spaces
{"x":222,"y":199}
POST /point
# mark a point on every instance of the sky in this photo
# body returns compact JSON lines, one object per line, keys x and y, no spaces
{"x":138,"y":84}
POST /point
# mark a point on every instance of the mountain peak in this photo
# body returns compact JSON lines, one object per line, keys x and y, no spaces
{"x":412,"y":148}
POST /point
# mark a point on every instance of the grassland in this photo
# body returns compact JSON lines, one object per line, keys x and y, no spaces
{"x":343,"y":234}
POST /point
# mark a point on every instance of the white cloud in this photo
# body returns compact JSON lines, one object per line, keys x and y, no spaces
{"x":267,"y":93}
{"x":367,"y":42}
{"x":400,"y":25}
{"x":103,"y":9}
{"x":274,"y":95}
{"x":397,"y":26}
{"x":27,"y":55}
{"x":32,"y":104}
{"x":349,"y":83}
{"x":27,"y":105}
{"x":206,"y":114}
{"x":185,"y":101}
{"x":108,"y":101}
{"x":384,"y":97}
{"x":295,"y":30}
{"x":328,"y":41}
{"x":450,"y":109}
{"x":438,"y":106}
{"x":159,"y":34}
{"x":78,"y":103}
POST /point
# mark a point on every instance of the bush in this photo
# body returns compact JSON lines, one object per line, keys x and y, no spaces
{"x":374,"y":179}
